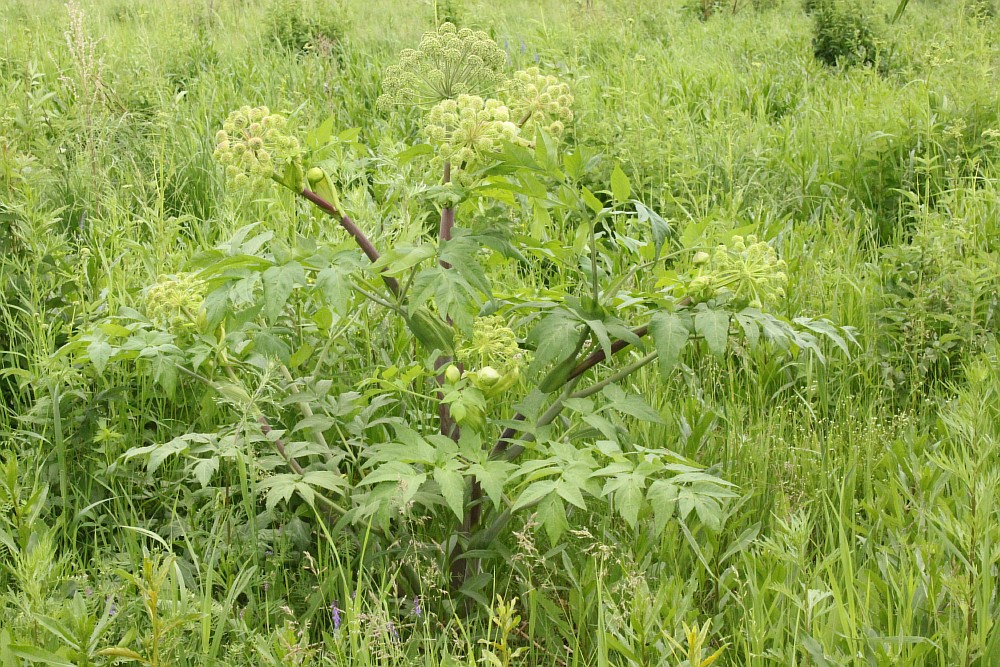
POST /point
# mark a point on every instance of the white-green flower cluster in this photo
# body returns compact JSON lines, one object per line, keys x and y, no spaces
{"x":254,"y":142}
{"x":174,"y":300}
{"x":491,"y":356}
{"x":746,"y":272}
{"x":459,"y":77}
{"x":541,"y":100}
{"x":468,"y":127}
{"x":448,"y":63}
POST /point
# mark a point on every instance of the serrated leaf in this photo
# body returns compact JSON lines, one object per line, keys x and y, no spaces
{"x":620,"y":186}
{"x":551,"y":514}
{"x":493,"y":477}
{"x":670,"y":333}
{"x":413,"y":152}
{"x":205,"y":469}
{"x":279,"y":281}
{"x":404,"y":257}
{"x":452,"y":485}
{"x":326,"y":479}
{"x":636,"y":407}
{"x":662,"y":496}
{"x":570,"y":492}
{"x":659,"y":227}
{"x":591,"y":200}
{"x":318,"y":422}
{"x":713,"y":326}
{"x":534,"y":493}
{"x":334,"y":285}
{"x":99,"y":353}
{"x":751,"y":330}
{"x":554,"y":339}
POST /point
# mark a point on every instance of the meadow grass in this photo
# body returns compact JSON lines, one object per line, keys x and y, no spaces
{"x":867,"y":517}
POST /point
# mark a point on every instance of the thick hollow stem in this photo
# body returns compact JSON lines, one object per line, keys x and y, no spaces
{"x":447,"y":214}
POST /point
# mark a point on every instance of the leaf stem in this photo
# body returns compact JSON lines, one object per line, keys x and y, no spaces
{"x":359,"y":236}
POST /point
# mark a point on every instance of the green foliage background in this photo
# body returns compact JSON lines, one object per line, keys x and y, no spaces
{"x":866,"y":520}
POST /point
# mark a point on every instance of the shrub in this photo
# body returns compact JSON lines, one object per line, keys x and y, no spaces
{"x":843,"y":34}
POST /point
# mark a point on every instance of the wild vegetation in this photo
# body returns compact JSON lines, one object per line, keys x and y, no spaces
{"x":612,"y":332}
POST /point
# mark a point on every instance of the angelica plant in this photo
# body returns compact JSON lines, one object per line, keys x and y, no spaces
{"x":530,"y":386}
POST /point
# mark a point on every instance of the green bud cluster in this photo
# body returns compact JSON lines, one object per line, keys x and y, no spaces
{"x":747,"y":272}
{"x":491,"y":356}
{"x":448,"y":63}
{"x":174,"y":300}
{"x":467,"y":127}
{"x":253,"y":144}
{"x":541,"y":100}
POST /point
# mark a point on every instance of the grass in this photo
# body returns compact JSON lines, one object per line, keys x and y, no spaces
{"x":865,"y":527}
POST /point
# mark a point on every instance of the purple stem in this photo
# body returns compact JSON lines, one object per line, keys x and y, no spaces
{"x":359,"y":236}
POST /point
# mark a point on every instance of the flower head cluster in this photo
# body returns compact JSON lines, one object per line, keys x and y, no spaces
{"x":493,"y":355}
{"x":174,"y":300}
{"x":468,"y":127}
{"x":254,"y":142}
{"x":448,"y":63}
{"x":541,"y":100}
{"x":747,"y":272}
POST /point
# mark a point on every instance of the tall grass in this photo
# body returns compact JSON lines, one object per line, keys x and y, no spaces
{"x":866,"y":527}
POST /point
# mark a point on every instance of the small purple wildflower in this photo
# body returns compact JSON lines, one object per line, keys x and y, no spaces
{"x":392,"y":630}
{"x":335,"y":614}
{"x":416,"y":606}
{"x":112,"y":609}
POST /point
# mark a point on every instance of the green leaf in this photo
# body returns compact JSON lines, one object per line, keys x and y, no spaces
{"x":570,"y":492}
{"x":413,"y":152}
{"x":120,"y":652}
{"x":404,"y":257}
{"x":554,"y":340}
{"x":279,"y":281}
{"x":660,"y":228}
{"x":551,"y":514}
{"x":591,"y":200}
{"x":627,"y":491}
{"x":279,"y":488}
{"x":452,"y":485}
{"x":326,"y":479}
{"x":662,"y":496}
{"x":493,"y":477}
{"x":319,"y":137}
{"x":99,"y":352}
{"x":620,"y":187}
{"x":713,"y":326}
{"x":631,"y":405}
{"x":35,"y":654}
{"x":751,"y":330}
{"x":334,"y":285}
{"x":670,"y":332}
{"x":534,"y":492}
{"x":204,"y":469}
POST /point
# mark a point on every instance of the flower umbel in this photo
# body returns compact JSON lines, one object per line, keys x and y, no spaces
{"x":253,"y":142}
{"x":492,"y":354}
{"x":467,"y":128}
{"x":747,"y":272}
{"x":448,"y":63}
{"x":174,"y":299}
{"x":540,"y":100}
